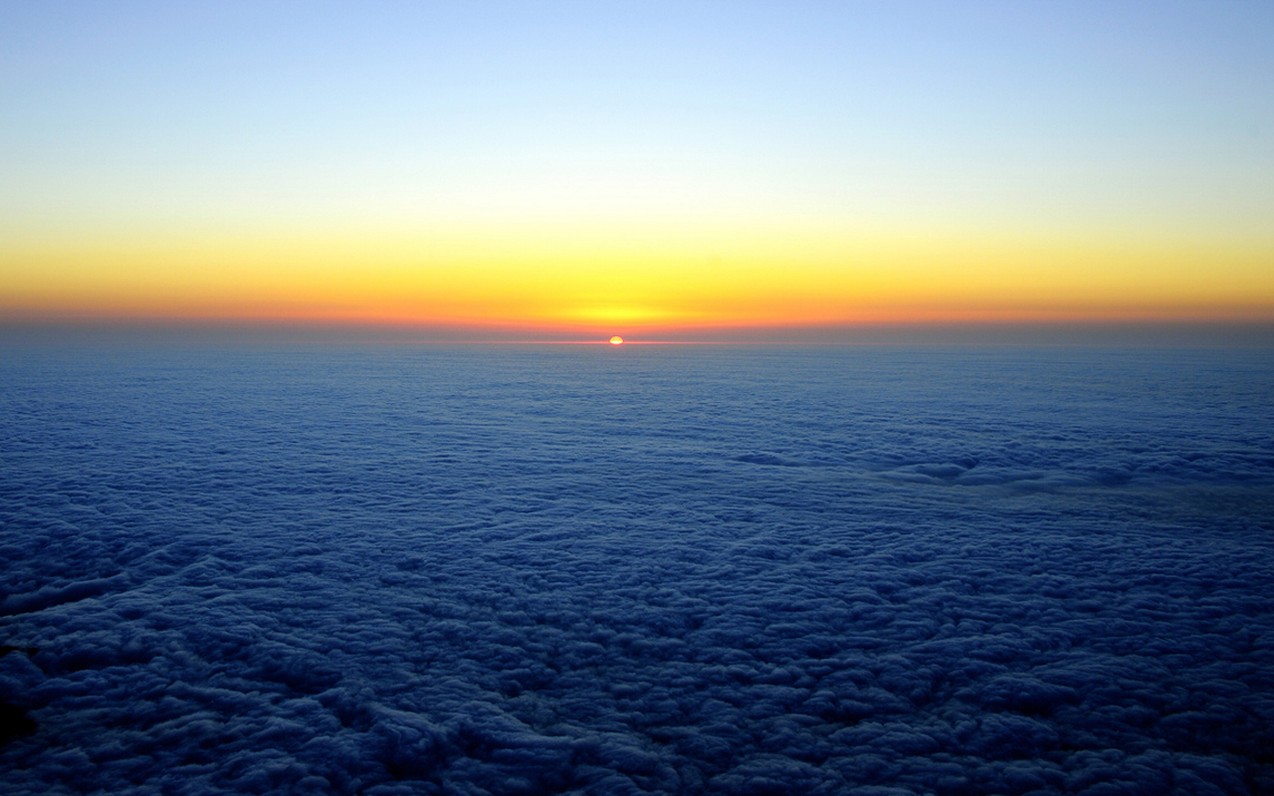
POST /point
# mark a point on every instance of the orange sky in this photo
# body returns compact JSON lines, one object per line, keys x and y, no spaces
{"x":599,"y":172}
{"x":635,"y":280}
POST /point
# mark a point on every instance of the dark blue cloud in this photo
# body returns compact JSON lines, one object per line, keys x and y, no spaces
{"x":405,"y":570}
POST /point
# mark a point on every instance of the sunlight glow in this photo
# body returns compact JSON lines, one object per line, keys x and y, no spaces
{"x":625,"y":175}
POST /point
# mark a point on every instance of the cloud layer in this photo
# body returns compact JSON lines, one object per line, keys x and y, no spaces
{"x":718,"y":570}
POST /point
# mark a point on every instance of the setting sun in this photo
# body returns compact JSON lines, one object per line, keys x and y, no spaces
{"x":617,"y":340}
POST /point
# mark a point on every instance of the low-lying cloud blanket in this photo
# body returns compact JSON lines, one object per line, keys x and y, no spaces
{"x":615,"y":570}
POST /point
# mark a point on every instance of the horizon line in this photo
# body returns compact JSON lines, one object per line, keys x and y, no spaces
{"x":1135,"y":332}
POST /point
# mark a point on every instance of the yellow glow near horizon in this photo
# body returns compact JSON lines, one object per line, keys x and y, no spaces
{"x":634,"y":277}
{"x":635,"y":167}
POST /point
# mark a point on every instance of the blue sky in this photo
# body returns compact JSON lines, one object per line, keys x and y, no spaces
{"x":1062,"y":122}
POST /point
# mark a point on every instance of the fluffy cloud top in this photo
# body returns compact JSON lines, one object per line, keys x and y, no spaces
{"x":642,"y":570}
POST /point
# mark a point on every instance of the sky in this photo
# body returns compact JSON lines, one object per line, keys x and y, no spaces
{"x":625,"y":167}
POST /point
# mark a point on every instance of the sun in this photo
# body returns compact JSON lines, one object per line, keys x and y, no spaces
{"x":617,"y":340}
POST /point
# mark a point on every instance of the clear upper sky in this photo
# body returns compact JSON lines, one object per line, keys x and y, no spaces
{"x":626,"y":166}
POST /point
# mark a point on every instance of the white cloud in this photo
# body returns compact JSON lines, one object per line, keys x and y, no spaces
{"x":524,"y":571}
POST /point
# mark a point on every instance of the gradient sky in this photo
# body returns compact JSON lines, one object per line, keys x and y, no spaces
{"x":627,"y":167}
